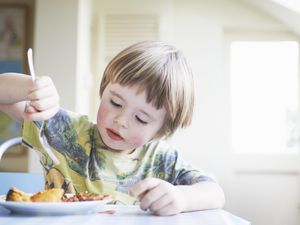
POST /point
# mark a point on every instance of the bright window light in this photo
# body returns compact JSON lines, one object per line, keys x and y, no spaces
{"x":264,"y":96}
{"x":290,"y":4}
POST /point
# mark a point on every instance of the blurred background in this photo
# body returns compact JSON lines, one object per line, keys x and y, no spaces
{"x":245,"y":58}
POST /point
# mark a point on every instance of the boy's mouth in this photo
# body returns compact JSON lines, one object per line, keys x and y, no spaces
{"x":114,"y":135}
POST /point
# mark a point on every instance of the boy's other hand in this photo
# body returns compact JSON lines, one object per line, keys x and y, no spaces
{"x":159,"y":196}
{"x":44,"y":100}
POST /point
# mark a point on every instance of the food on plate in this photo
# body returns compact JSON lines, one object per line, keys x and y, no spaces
{"x":49,"y":195}
{"x":86,"y":197}
{"x":53,"y":195}
{"x":17,"y":195}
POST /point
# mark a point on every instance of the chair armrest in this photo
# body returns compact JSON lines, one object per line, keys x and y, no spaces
{"x":8,"y":144}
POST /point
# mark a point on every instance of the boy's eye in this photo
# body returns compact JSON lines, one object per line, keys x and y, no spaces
{"x":115,"y":104}
{"x":140,"y":120}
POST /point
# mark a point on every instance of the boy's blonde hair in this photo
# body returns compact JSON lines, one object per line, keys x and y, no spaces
{"x":162,"y":71}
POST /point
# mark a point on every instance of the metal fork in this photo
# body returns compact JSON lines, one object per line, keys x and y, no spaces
{"x":42,"y":136}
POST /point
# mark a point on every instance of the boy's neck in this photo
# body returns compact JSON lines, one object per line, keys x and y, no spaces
{"x":125,"y":152}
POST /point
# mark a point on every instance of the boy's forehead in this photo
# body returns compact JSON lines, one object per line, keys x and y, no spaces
{"x":133,"y":94}
{"x":127,"y":91}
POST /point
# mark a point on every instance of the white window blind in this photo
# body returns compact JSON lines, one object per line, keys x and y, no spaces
{"x":120,"y":31}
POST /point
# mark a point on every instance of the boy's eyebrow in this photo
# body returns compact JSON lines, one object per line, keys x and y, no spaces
{"x":147,"y":114}
{"x":116,"y":94}
{"x":142,"y":111}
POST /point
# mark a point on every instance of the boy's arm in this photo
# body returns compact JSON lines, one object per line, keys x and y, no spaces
{"x":15,"y":111}
{"x":202,"y":195}
{"x":14,"y":88}
{"x":166,"y":199}
{"x":17,"y":89}
{"x":13,"y":91}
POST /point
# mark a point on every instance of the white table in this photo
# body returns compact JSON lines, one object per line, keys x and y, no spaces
{"x":126,"y":215}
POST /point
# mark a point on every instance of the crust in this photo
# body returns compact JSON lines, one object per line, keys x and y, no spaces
{"x":50,"y":195}
{"x":17,"y":195}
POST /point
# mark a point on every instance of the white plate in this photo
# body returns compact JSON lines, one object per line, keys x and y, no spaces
{"x":53,"y":208}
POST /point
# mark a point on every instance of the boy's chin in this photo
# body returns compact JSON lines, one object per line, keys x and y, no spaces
{"x":117,"y":148}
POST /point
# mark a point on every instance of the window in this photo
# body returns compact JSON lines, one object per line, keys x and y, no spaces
{"x":264,"y":96}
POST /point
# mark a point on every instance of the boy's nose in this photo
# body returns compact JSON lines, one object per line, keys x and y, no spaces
{"x":121,"y":121}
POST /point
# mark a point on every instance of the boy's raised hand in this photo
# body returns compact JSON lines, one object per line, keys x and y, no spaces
{"x":43,"y":100}
{"x":18,"y":90}
{"x":159,"y":196}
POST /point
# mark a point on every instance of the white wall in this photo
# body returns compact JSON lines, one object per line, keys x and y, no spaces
{"x":55,"y":45}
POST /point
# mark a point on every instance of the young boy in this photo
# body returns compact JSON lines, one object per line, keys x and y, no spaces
{"x":146,"y":94}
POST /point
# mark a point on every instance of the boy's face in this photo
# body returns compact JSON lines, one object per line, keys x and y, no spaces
{"x":125,"y":120}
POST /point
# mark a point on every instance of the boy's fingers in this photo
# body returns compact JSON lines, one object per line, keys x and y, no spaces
{"x":40,"y":116}
{"x":163,"y":202}
{"x":41,"y":82}
{"x":44,"y":104}
{"x":167,"y":210}
{"x":152,"y":196}
{"x":143,"y":186}
{"x":42,"y":93}
{"x":31,"y":109}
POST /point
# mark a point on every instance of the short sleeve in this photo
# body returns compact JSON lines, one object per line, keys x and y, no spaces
{"x":178,"y":172}
{"x":67,"y":133}
{"x":30,"y":135}
{"x":69,"y":136}
{"x":185,"y":174}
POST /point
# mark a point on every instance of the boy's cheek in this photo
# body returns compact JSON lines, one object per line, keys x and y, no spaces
{"x":138,"y":140}
{"x":102,"y":115}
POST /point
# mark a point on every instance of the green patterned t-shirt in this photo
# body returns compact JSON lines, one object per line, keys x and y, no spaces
{"x":87,"y":164}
